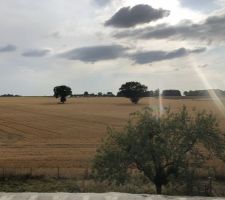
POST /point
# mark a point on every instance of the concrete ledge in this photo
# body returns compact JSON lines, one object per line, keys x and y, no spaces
{"x":93,"y":196}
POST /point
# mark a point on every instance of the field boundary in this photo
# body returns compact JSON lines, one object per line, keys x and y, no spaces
{"x":51,"y":172}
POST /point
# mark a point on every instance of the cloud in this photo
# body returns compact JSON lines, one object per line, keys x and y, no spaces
{"x":147,"y":57}
{"x":36,"y":52}
{"x":95,"y":53}
{"x":203,"y":66}
{"x":100,"y":53}
{"x":55,"y":35}
{"x":202,"y":5}
{"x":210,"y":30}
{"x":102,"y":3}
{"x":8,"y":48}
{"x":140,"y":14}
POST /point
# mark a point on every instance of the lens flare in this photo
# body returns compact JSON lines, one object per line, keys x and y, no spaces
{"x":160,"y":105}
{"x":215,"y":97}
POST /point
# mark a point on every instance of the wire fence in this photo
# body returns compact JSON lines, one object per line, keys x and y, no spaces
{"x":56,"y":172}
{"x":78,"y":170}
{"x":204,"y":187}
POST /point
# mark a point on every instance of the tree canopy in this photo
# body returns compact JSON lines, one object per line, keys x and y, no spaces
{"x":159,"y":147}
{"x":171,"y":93}
{"x":204,"y":93}
{"x":62,"y":92}
{"x":133,"y":90}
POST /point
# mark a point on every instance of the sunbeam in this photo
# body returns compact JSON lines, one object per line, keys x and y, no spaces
{"x":208,"y":85}
{"x":160,"y":105}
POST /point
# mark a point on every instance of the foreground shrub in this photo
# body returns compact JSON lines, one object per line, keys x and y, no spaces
{"x":162,"y":148}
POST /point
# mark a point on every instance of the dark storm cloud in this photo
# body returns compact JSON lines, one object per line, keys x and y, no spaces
{"x":102,"y":2}
{"x":156,"y":56}
{"x":129,"y":17}
{"x":211,"y":30}
{"x":8,"y":48}
{"x":95,"y":53}
{"x":36,"y":52}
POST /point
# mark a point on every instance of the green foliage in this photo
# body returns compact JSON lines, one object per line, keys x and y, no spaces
{"x":38,"y":184}
{"x":171,"y":93}
{"x":204,"y":93}
{"x":62,"y":92}
{"x":86,"y":94}
{"x":133,"y":90}
{"x":162,"y":148}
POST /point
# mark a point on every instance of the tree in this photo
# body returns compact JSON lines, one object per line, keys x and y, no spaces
{"x":86,"y":94}
{"x":186,"y":93}
{"x":100,"y":94}
{"x":162,"y":148}
{"x":133,"y":90}
{"x":149,"y":93}
{"x":120,"y":94}
{"x":92,"y":95}
{"x":204,"y":93}
{"x":62,"y":92}
{"x":156,"y":93}
{"x":109,"y":94}
{"x":175,"y":93}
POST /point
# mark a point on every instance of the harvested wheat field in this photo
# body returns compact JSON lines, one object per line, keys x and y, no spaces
{"x":39,"y":132}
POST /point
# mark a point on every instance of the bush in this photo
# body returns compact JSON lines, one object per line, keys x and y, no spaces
{"x":162,"y":148}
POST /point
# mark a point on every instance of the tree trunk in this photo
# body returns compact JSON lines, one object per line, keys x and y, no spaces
{"x":158,"y":189}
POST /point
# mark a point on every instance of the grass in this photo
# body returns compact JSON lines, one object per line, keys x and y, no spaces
{"x":135,"y":186}
{"x":43,"y":184}
{"x":38,"y":184}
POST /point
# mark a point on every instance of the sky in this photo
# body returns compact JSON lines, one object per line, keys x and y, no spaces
{"x":97,"y":45}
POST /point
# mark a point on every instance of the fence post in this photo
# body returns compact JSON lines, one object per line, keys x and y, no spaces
{"x":210,"y":185}
{"x":86,"y":173}
{"x":3,"y":172}
{"x":31,"y":172}
{"x":58,"y":172}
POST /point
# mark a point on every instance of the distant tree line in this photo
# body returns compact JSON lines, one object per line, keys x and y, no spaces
{"x":10,"y":95}
{"x":176,"y":93}
{"x":150,"y":93}
{"x":157,"y":92}
{"x":99,"y":94}
{"x":204,"y":92}
{"x":134,"y":91}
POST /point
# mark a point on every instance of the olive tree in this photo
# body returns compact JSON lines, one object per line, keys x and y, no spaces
{"x":62,"y":92}
{"x":162,"y":148}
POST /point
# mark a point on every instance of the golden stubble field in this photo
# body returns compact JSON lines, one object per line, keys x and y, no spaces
{"x":38,"y":132}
